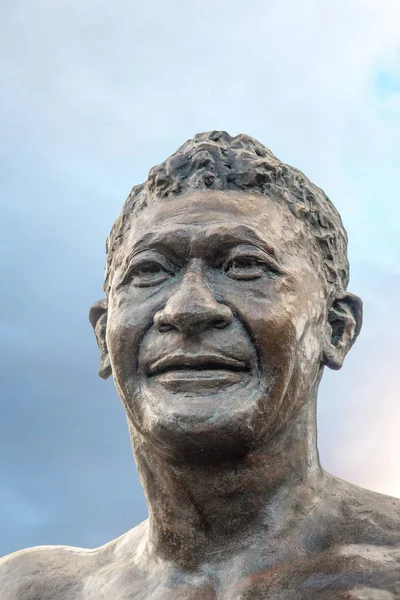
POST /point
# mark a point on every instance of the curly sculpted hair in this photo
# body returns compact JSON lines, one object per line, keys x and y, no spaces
{"x":218,"y":161}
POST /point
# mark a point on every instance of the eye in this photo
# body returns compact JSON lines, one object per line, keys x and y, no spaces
{"x":247,"y":267}
{"x":147,"y":272}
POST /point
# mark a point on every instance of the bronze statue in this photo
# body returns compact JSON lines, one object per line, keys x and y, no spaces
{"x":226,"y":297}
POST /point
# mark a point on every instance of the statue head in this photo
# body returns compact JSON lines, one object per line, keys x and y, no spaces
{"x":225,"y":287}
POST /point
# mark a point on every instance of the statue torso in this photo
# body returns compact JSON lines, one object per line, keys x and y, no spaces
{"x":349,"y":550}
{"x":344,"y":572}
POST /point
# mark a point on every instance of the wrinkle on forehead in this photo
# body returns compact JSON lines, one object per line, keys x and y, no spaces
{"x":192,"y":223}
{"x":194,"y":239}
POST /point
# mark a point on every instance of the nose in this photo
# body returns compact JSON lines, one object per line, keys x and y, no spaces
{"x":192,"y":309}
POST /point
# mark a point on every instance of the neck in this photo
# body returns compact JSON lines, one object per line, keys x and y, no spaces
{"x":198,"y":510}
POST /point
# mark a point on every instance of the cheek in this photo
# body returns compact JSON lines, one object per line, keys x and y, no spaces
{"x":311,"y":343}
{"x":310,"y":323}
{"x":128,"y":321}
{"x":284,"y":322}
{"x":276,"y":337}
{"x":265,"y":311}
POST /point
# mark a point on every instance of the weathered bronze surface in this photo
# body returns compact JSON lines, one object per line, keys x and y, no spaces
{"x":226,"y":297}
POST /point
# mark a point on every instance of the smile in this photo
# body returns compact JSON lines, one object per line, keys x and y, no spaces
{"x":180,"y":372}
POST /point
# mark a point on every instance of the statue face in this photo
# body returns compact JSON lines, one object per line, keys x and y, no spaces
{"x":216,"y":319}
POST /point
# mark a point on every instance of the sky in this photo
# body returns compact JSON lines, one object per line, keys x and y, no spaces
{"x":92,"y":95}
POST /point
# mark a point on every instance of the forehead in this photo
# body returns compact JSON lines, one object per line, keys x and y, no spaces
{"x":211,"y":217}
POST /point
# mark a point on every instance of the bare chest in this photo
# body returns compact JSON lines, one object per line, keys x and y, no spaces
{"x":343,"y":576}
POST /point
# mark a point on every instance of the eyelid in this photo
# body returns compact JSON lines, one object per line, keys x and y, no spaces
{"x":154,"y":257}
{"x":143,"y":258}
{"x":253,"y":252}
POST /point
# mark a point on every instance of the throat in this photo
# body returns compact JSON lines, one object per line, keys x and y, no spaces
{"x":219,"y":508}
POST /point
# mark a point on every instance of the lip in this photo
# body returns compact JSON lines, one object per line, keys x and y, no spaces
{"x":202,"y":366}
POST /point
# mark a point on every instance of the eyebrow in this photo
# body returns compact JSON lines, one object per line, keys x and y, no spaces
{"x":180,"y":239}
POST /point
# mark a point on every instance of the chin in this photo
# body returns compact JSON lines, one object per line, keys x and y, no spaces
{"x":203,"y":428}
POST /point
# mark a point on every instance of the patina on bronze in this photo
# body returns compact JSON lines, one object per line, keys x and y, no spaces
{"x":226,"y":296}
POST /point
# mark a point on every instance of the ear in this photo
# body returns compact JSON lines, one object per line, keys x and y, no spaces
{"x":342,"y":328}
{"x":98,"y":320}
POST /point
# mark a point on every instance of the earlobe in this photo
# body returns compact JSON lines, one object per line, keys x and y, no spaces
{"x":342,"y":328}
{"x":98,"y":320}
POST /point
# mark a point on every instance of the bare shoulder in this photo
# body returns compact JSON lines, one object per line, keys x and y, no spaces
{"x":62,"y":572}
{"x":42,"y":572}
{"x":368,"y":516}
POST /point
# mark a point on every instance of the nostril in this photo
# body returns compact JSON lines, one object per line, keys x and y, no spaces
{"x":220,"y":323}
{"x":164,"y":327}
{"x":161,"y":322}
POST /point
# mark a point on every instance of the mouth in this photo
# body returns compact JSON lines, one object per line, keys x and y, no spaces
{"x":180,"y":372}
